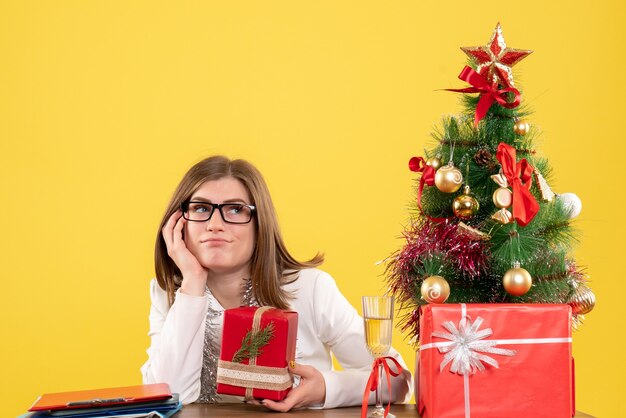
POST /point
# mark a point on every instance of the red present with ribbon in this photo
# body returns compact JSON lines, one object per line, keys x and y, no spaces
{"x":257,"y":346}
{"x":495,"y":361}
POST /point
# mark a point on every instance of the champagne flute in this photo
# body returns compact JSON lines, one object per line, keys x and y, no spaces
{"x":378,"y":322}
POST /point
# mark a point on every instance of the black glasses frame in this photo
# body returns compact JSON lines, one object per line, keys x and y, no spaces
{"x":184,"y":207}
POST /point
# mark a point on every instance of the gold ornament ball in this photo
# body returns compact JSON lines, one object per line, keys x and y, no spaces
{"x":502,"y":198}
{"x":521,"y":127}
{"x":517,"y":281}
{"x":435,"y":289}
{"x":583,"y":301}
{"x":465,"y":206}
{"x":434,"y":162}
{"x":448,"y":179}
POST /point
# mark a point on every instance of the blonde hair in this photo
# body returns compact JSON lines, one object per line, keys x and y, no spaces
{"x":271,"y":265}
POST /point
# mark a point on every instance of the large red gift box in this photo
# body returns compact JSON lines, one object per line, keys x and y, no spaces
{"x":495,"y":361}
{"x":265,"y":375}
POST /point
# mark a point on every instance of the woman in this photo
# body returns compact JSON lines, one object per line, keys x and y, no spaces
{"x":219,"y":247}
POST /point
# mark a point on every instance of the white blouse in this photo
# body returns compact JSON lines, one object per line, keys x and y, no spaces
{"x":327,"y":323}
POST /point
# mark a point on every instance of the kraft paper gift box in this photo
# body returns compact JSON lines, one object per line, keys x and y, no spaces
{"x":495,"y":361}
{"x":263,"y":374}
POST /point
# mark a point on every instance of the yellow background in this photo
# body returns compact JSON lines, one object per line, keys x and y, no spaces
{"x":104,"y":105}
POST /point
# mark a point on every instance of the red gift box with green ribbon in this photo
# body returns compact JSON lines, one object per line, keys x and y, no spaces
{"x":495,"y":361}
{"x":257,"y":346}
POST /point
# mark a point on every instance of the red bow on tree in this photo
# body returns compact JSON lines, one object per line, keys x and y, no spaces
{"x":520,"y":177}
{"x":418,"y":165}
{"x":488,"y":93}
{"x":373,"y":382}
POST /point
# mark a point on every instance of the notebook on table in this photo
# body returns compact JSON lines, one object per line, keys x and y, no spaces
{"x":102,"y":398}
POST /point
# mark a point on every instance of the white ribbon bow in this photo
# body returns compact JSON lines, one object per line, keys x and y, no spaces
{"x":465,"y":350}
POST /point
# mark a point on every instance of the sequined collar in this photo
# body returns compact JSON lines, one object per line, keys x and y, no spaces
{"x":213,"y":340}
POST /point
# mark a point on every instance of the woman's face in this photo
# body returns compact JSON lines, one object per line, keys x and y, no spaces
{"x":220,"y":247}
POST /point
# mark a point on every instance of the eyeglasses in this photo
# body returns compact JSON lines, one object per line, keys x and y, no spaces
{"x":232,"y":213}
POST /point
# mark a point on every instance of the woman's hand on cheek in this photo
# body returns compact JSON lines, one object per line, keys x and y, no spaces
{"x":311,"y":391}
{"x":194,"y":275}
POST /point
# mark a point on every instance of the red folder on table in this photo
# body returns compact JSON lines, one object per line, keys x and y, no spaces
{"x":102,"y":397}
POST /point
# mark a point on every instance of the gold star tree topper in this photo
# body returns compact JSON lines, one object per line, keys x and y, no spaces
{"x":495,"y":59}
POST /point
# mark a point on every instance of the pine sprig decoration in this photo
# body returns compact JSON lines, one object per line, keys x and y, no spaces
{"x":253,"y":342}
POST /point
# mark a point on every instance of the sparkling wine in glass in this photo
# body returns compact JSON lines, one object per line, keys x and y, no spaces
{"x":378,"y":322}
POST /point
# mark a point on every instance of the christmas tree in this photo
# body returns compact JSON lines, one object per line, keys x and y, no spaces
{"x":487,"y":228}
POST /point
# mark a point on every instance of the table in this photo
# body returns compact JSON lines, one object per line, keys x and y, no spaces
{"x":243,"y":410}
